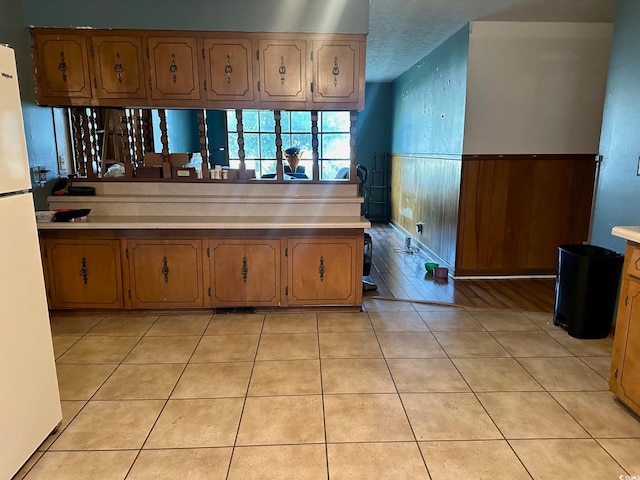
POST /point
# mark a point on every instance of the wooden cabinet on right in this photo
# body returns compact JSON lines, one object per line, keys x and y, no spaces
{"x":324,"y":271}
{"x":625,"y":360}
{"x":245,"y":272}
{"x":337,"y":78}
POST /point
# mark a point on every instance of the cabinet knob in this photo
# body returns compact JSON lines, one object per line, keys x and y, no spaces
{"x":84,"y":271}
{"x":321,"y":269}
{"x":244,"y":270}
{"x":165,"y":270}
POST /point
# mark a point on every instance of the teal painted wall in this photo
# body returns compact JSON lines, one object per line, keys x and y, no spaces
{"x":217,"y":132}
{"x":182,"y":131}
{"x":618,"y":188}
{"x":374,"y":137}
{"x":429,"y":101}
{"x":343,"y":16}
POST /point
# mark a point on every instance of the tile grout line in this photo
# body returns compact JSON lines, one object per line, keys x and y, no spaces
{"x":415,"y":438}
{"x":246,"y":396}
{"x":146,"y":439}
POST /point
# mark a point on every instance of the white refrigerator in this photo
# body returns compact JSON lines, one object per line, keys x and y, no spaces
{"x":29,"y":397}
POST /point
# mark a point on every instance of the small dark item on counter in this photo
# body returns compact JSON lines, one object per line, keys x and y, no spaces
{"x":68,"y":215}
{"x":63,"y":187}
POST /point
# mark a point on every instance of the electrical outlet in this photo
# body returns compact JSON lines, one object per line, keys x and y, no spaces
{"x":63,"y":169}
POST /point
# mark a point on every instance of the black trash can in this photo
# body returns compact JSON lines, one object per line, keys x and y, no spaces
{"x":368,"y":254}
{"x":586,"y":289}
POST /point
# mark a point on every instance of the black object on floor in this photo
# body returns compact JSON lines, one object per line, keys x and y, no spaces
{"x":367,"y":283}
{"x":586,"y":289}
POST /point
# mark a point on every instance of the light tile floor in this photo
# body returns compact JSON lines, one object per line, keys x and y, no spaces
{"x":400,"y":391}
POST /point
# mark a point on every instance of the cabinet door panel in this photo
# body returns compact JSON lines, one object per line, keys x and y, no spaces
{"x":336,"y":71}
{"x":628,"y":328}
{"x":283,"y":70}
{"x":174,"y":68}
{"x":323,"y":271}
{"x":62,"y":68}
{"x":245,"y":272}
{"x":119,"y":67}
{"x":165,"y":273}
{"x":84,"y":273}
{"x":229,"y":69}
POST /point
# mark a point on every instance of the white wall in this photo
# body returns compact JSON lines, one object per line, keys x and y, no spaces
{"x":536,"y":88}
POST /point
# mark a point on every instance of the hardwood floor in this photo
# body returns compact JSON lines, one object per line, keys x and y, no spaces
{"x":402,"y":275}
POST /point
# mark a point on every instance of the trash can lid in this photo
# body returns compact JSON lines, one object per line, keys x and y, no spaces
{"x":592,"y":251}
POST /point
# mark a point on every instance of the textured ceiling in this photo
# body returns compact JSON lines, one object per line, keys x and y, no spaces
{"x":401,"y":32}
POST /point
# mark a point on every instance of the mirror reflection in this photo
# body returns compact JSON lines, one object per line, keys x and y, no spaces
{"x":210,"y":144}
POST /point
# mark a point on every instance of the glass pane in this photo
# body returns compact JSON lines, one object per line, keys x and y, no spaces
{"x":233,"y":145}
{"x":251,"y":164}
{"x":330,"y":168}
{"x":267,"y":145}
{"x":267,"y":122}
{"x":251,"y":145}
{"x":250,"y":120}
{"x":267,"y":166}
{"x":334,"y":122}
{"x":285,"y":121}
{"x":307,"y":165}
{"x":335,"y":145}
{"x":234,"y":163}
{"x":232,"y":122}
{"x":301,"y":121}
{"x":286,"y":142}
{"x":303,"y":141}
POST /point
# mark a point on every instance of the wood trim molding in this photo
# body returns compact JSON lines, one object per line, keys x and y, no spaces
{"x":532,"y":156}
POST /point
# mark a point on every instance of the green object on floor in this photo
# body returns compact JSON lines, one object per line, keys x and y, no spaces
{"x":430,"y":266}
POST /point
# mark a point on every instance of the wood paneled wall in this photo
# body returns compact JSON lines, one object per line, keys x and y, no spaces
{"x":426,"y":189}
{"x":516,"y":209}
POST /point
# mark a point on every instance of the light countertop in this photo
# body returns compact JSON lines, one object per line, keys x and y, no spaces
{"x":206,"y":222}
{"x":628,"y":233}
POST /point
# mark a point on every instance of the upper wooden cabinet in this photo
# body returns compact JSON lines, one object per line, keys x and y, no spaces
{"x":174,"y":68}
{"x":229,"y":69}
{"x":119,"y":67}
{"x":283,"y":71}
{"x":61,"y":68}
{"x":196,"y":69}
{"x":337,"y":77}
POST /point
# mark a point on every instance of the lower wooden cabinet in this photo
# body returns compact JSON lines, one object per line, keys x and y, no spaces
{"x":199,"y":269}
{"x":625,"y":359}
{"x":165,"y":273}
{"x":324,"y":271}
{"x":245,"y":272}
{"x":83,"y":273}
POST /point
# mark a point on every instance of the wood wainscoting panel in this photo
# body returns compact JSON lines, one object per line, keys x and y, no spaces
{"x":426,"y":189}
{"x":516,"y":209}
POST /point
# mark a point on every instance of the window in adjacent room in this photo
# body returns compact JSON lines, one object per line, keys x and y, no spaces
{"x":260,"y":140}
